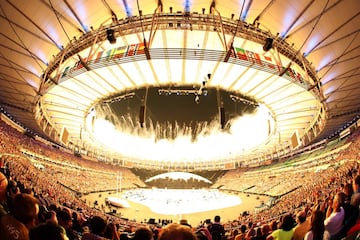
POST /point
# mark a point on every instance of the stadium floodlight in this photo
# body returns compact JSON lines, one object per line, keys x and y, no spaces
{"x":110,"y":35}
{"x":268,"y":44}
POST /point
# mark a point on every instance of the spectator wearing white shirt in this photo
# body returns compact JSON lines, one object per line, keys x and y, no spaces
{"x":335,"y":215}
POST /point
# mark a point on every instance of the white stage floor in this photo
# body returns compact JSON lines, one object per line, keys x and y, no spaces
{"x":180,"y":201}
{"x":195,"y":206}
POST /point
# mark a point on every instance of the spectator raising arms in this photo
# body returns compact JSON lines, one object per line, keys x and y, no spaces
{"x":317,"y":229}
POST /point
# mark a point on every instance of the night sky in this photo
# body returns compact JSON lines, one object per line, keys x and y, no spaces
{"x":177,"y":109}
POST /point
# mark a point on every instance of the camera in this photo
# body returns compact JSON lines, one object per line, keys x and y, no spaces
{"x":44,"y":213}
{"x":47,"y":215}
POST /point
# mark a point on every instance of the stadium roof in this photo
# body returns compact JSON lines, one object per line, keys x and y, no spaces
{"x":59,"y":62}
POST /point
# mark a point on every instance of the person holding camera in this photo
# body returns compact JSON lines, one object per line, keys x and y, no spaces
{"x":12,"y":191}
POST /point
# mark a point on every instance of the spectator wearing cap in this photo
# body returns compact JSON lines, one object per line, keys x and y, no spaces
{"x":185,"y":223}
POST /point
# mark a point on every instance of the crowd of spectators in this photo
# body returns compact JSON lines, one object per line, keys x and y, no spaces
{"x":314,"y":199}
{"x":282,"y":177}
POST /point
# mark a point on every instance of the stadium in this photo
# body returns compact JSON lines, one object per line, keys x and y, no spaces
{"x":150,"y":112}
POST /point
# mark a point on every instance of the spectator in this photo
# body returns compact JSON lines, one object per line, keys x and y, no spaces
{"x":258,"y":234}
{"x":355,"y":198}
{"x":156,"y":233}
{"x":242,"y":234}
{"x":273,"y":226}
{"x":317,"y":227}
{"x":46,"y":231}
{"x":77,"y":222}
{"x":348,"y":189}
{"x":17,"y":224}
{"x":203,"y":233}
{"x":12,"y":191}
{"x":233,"y":234}
{"x":3,"y":194}
{"x":65,"y":220}
{"x":251,"y":232}
{"x":285,"y":231}
{"x":26,"y":209}
{"x":175,"y":231}
{"x":185,"y":223}
{"x":335,"y":215}
{"x":302,"y":226}
{"x":265,"y":230}
{"x":143,"y":233}
{"x":97,"y":230}
{"x":216,"y":229}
